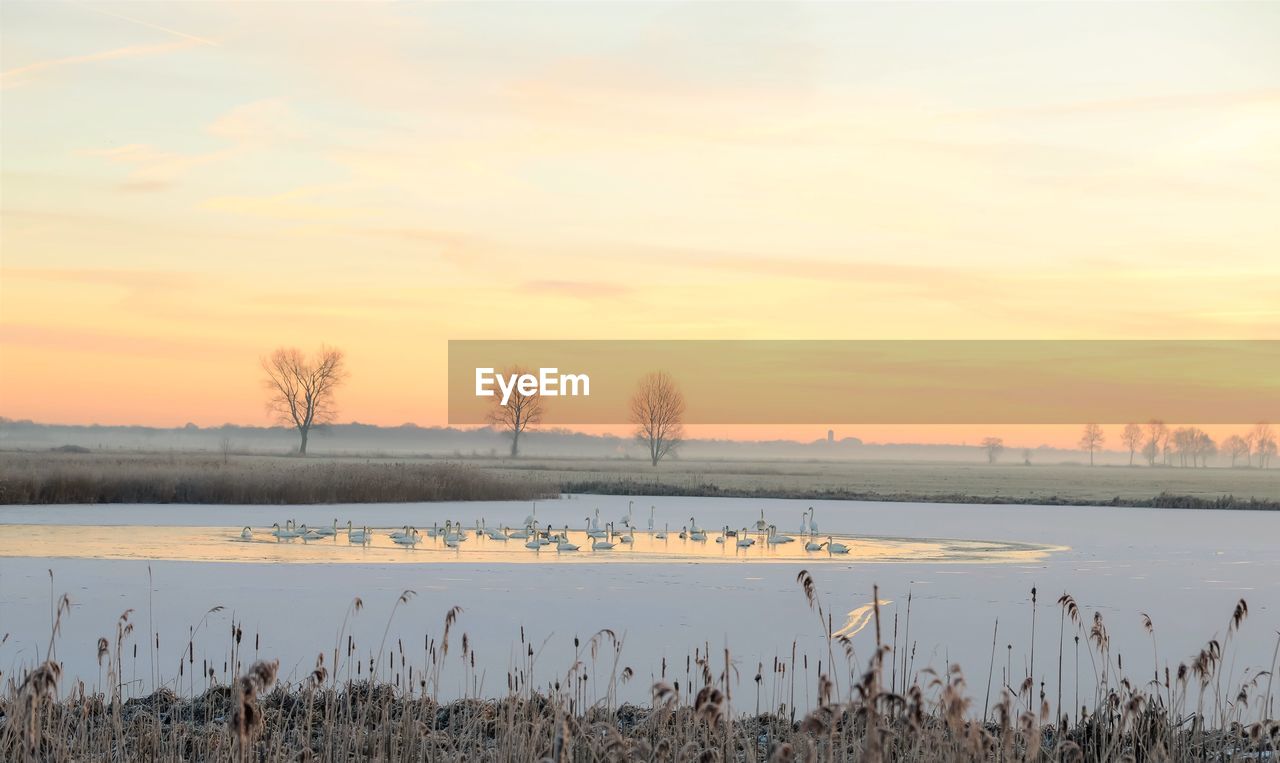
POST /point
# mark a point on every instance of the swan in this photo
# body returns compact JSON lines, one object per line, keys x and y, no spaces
{"x":626,"y":520}
{"x":836,"y":548}
{"x":762,"y":525}
{"x":775,"y":539}
{"x":813,"y":521}
{"x":520,"y":534}
{"x":593,"y":529}
{"x":496,"y":534}
{"x":693,"y":526}
{"x":804,"y":523}
{"x":684,"y":533}
{"x":452,"y":542}
{"x":651,"y":510}
{"x":626,"y":537}
{"x":402,"y":533}
{"x":697,"y":533}
{"x":412,"y":538}
{"x":311,"y":534}
{"x":359,"y":536}
{"x":564,"y":545}
{"x":595,"y":523}
{"x":602,"y":545}
{"x":328,"y":531}
{"x":434,"y":530}
{"x":813,"y":545}
{"x":724,"y":533}
{"x":286,"y":532}
{"x":662,"y":534}
{"x":532,"y":518}
{"x":246,"y":533}
{"x":744,"y":541}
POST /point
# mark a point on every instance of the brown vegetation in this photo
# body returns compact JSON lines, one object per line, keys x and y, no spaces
{"x":101,"y":478}
{"x":384,"y":703}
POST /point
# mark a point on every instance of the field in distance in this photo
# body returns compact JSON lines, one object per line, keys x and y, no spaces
{"x":115,"y":476}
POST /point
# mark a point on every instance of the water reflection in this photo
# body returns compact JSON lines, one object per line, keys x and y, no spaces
{"x":234,"y":545}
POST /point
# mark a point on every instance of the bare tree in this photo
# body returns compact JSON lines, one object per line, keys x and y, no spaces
{"x":1092,"y":439}
{"x":302,"y":389}
{"x":1157,"y":440}
{"x":1263,"y":442}
{"x":1237,"y":446}
{"x":657,"y":410}
{"x":993,"y":446}
{"x":1132,"y":439}
{"x":520,"y":412}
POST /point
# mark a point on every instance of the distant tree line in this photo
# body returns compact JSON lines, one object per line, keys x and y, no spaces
{"x":1187,"y":446}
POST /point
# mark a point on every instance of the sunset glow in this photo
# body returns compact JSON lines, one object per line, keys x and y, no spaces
{"x":184,"y":188}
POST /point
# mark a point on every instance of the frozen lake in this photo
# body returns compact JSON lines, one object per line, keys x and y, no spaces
{"x":964,"y":567}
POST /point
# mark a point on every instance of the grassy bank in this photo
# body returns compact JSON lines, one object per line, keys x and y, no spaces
{"x":1162,"y":501}
{"x":45,"y":478}
{"x":382,"y":703}
{"x":115,"y":477}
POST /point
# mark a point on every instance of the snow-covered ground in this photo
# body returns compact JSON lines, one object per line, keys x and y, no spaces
{"x":1186,"y":569}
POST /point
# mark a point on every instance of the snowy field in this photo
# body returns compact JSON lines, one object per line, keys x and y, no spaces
{"x":964,"y":567}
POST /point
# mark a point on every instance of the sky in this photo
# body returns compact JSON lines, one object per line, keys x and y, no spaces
{"x":186,"y":186}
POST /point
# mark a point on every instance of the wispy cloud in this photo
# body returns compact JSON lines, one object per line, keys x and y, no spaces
{"x":21,"y":75}
{"x":147,"y":24}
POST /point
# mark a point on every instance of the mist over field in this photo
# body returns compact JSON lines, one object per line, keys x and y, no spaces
{"x":447,"y":442}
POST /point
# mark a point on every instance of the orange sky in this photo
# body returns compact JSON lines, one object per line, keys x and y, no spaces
{"x":185,"y":186}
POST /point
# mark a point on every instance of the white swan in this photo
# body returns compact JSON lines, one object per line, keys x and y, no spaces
{"x":804,"y":523}
{"x":626,"y":520}
{"x":434,"y":530}
{"x":813,"y":521}
{"x":836,"y":548}
{"x":762,"y":525}
{"x":531,"y":518}
{"x":521,"y":533}
{"x":662,"y":534}
{"x":775,"y":539}
{"x":744,"y":541}
{"x":328,"y":531}
{"x":286,"y":532}
{"x":652,"y":509}
{"x":593,"y":528}
{"x":564,"y":545}
{"x":693,"y":526}
{"x":697,"y":533}
{"x":402,"y":533}
{"x":411,"y":538}
{"x":496,"y":534}
{"x":724,"y":533}
{"x":595,"y":522}
{"x":359,"y":536}
{"x":246,"y":533}
{"x":813,"y":545}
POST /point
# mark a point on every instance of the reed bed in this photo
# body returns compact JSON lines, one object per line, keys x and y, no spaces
{"x":382,"y":702}
{"x":153,"y":478}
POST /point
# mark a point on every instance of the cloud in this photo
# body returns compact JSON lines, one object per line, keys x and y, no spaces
{"x":255,"y":125}
{"x":23,"y":74}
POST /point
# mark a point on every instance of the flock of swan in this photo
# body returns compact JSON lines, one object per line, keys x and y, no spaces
{"x":536,"y":536}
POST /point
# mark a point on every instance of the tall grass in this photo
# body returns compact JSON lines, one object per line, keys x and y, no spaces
{"x":382,"y":701}
{"x":96,"y":478}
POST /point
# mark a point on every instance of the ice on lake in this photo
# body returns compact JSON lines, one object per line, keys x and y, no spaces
{"x":963,"y":567}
